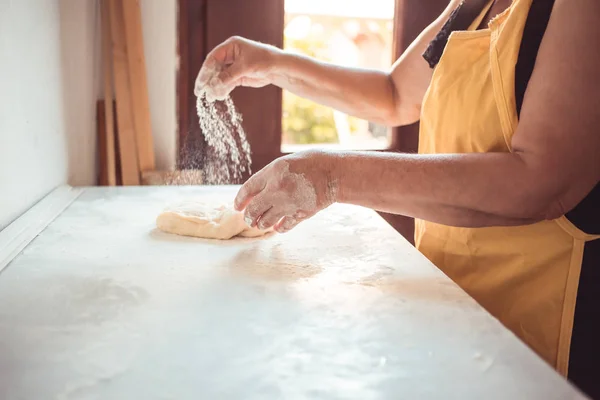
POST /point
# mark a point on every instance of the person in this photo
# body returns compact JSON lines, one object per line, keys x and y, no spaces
{"x":504,"y":189}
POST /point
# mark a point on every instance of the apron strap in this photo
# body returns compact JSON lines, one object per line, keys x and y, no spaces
{"x":460,"y":20}
{"x":535,"y":28}
{"x":585,"y":347}
{"x":586,"y":215}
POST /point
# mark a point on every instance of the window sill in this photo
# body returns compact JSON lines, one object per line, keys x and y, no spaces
{"x":370,"y":145}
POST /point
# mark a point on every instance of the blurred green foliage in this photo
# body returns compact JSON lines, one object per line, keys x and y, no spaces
{"x":304,"y":121}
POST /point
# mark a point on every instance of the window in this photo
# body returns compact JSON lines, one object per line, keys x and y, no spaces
{"x":355,"y":33}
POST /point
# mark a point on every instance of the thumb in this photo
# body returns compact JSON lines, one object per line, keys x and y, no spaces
{"x":224,"y":82}
{"x":208,"y":71}
{"x":249,"y":190}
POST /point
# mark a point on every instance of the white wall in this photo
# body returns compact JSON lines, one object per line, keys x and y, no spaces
{"x":82,"y":76}
{"x":159,"y":19}
{"x":33,"y":143}
{"x":82,"y":70}
{"x":50,"y":78}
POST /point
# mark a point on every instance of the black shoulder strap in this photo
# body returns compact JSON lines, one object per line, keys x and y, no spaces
{"x":535,"y":27}
{"x":460,"y":20}
{"x":464,"y":15}
{"x":586,"y":215}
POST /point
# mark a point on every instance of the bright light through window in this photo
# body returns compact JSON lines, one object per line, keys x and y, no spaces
{"x":357,"y":33}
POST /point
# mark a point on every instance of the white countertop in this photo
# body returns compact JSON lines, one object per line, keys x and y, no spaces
{"x":100,"y":305}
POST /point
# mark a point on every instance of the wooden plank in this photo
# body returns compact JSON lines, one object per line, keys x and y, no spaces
{"x":109,"y":136}
{"x":138,"y":84}
{"x":102,"y":145}
{"x":23,"y":230}
{"x":117,"y":152}
{"x":104,"y":164}
{"x":130,"y":172}
{"x":185,"y":177}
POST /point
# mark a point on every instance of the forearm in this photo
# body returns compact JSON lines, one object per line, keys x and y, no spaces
{"x":459,"y":190}
{"x":391,"y":98}
{"x":364,"y":93}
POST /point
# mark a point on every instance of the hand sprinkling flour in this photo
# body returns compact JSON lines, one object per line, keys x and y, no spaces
{"x":281,"y":196}
{"x":228,"y":153}
{"x":210,"y":85}
{"x":290,"y":189}
{"x":235,"y":62}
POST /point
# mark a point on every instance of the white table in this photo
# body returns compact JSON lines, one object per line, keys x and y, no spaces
{"x":102,"y":306}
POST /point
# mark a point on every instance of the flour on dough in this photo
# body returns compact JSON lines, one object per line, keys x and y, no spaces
{"x":203,"y":220}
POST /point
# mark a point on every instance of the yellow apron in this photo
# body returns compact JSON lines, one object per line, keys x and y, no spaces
{"x":526,"y":276}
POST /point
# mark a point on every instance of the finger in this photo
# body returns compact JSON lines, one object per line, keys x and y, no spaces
{"x":216,"y":60}
{"x":251,"y":188}
{"x":289,"y":222}
{"x":208,"y":71}
{"x":210,"y":94}
{"x":286,"y":224}
{"x":223,"y":83}
{"x":216,"y":90}
{"x":269,"y":218}
{"x":258,"y":206}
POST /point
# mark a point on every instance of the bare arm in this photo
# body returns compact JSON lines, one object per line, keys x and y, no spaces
{"x":387,"y":97}
{"x":391,"y":98}
{"x":555,"y":160}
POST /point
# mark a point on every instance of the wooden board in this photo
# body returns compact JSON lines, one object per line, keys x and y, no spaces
{"x":126,"y":127}
{"x":184,"y":177}
{"x":102,"y":305}
{"x":107,"y":147}
{"x":102,"y":150}
{"x":108,"y":154}
{"x":139,"y":86}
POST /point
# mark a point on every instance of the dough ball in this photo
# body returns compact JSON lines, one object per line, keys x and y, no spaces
{"x":205,"y":220}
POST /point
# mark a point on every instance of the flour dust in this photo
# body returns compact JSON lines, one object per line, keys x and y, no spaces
{"x":226,"y":155}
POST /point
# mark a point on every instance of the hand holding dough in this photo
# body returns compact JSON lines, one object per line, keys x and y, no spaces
{"x":206,"y":221}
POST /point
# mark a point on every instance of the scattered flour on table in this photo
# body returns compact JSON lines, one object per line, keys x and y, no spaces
{"x":273,"y":262}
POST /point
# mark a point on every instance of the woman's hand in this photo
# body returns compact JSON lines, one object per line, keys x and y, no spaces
{"x":288,"y":191}
{"x":236,"y":62}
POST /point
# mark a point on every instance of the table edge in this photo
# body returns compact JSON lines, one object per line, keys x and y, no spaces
{"x":18,"y":234}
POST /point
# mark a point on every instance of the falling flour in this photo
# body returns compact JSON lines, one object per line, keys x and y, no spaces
{"x":227,"y":153}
